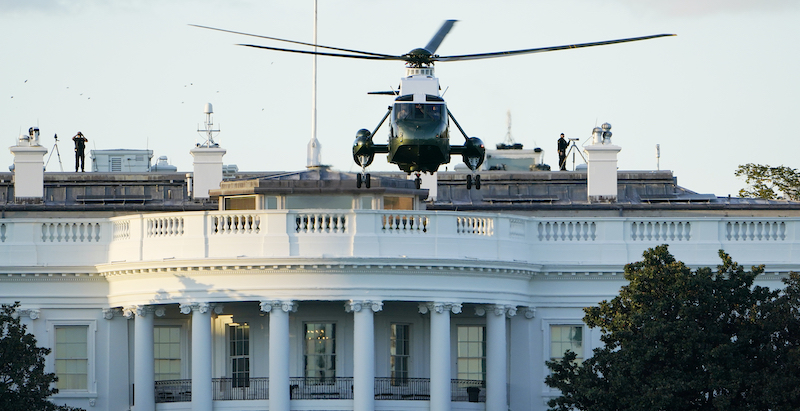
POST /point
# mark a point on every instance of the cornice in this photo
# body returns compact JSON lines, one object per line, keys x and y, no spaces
{"x":446,"y":268}
{"x":50,"y":277}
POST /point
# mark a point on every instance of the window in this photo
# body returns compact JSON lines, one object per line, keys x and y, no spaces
{"x":310,"y":202}
{"x":239,"y":354}
{"x":566,"y":337}
{"x":167,"y":352}
{"x":472,"y":352}
{"x":398,"y":203}
{"x":72,"y":357}
{"x":399,"y":353}
{"x":240,"y":203}
{"x":319,"y":351}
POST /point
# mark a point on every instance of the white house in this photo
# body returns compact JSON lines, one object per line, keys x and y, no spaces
{"x":299,"y":291}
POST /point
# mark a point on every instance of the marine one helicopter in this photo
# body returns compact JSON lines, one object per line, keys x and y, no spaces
{"x":419,"y":136}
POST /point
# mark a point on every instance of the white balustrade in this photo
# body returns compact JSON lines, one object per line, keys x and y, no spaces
{"x":755,"y":230}
{"x":321,"y":222}
{"x":236,"y":224}
{"x":661,"y":230}
{"x":404,"y":223}
{"x":166,"y":226}
{"x":70,"y":232}
{"x":567,"y":230}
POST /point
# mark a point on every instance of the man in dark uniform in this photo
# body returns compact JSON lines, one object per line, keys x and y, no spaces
{"x":80,"y":145}
{"x":562,"y":153}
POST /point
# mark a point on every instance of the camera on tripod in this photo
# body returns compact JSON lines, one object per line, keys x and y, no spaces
{"x":573,"y":139}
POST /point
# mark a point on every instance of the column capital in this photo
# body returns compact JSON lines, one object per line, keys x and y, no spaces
{"x":440,"y":307}
{"x":137,"y":311}
{"x":110,"y":313}
{"x":358,"y":305}
{"x":530,"y":312}
{"x":202,"y":308}
{"x":33,"y":313}
{"x":286,"y":306}
{"x":498,"y":309}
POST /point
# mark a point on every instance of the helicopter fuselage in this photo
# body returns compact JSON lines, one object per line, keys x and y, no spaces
{"x":419,"y":139}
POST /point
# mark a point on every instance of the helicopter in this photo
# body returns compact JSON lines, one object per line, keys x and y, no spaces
{"x":419,"y":132}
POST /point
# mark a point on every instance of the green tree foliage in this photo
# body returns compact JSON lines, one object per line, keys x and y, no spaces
{"x":24,"y":384}
{"x":677,"y":339}
{"x":769,"y":182}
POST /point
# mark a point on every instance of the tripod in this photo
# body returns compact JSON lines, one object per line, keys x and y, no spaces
{"x":58,"y":153}
{"x":574,"y":149}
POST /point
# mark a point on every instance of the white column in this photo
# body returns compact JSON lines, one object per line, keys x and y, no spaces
{"x":497,"y":356}
{"x":441,"y":395}
{"x":279,"y":397}
{"x":202,"y":358}
{"x":144,"y":397}
{"x":363,"y":352}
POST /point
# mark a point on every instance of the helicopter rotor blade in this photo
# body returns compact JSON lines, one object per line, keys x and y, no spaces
{"x":542,"y":49}
{"x":436,"y":41}
{"x":320,"y":53}
{"x":367,"y":53}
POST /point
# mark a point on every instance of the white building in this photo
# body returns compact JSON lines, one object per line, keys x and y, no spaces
{"x":298,"y":291}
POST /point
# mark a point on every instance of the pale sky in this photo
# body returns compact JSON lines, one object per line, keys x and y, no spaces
{"x":134,"y":74}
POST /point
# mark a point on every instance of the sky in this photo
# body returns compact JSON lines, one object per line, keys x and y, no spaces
{"x":134,"y":74}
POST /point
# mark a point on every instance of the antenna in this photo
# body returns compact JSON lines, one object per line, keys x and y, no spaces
{"x":314,"y":156}
{"x":509,"y":140}
{"x":658,"y":157}
{"x":209,"y":128}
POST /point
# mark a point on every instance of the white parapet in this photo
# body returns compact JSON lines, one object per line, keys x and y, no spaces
{"x":207,"y":170}
{"x":28,"y":169}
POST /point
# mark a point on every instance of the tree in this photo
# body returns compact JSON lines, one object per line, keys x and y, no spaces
{"x":769,"y":182}
{"x":677,"y":339}
{"x":24,"y":384}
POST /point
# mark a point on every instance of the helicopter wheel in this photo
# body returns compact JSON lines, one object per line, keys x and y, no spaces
{"x":469,"y":181}
{"x":367,"y":180}
{"x":358,"y":180}
{"x":478,"y":182}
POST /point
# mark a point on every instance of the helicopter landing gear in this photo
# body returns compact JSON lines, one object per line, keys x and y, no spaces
{"x":363,"y":179}
{"x":473,"y":180}
{"x":418,"y":182}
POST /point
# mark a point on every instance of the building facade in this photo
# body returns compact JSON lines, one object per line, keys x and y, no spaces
{"x":299,"y":291}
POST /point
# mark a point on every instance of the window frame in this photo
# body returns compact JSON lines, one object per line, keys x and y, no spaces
{"x":483,"y":349}
{"x":184,"y":345}
{"x":409,"y":339}
{"x":547,"y":325}
{"x":91,"y":362}
{"x":229,"y":335}
{"x":335,"y":355}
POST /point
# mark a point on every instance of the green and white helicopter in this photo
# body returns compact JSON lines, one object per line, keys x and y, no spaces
{"x":419,"y":135}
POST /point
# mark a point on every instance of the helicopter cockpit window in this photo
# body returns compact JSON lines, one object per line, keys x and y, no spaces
{"x":418,"y":111}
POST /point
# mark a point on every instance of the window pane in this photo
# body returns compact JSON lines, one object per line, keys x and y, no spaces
{"x":472,"y":352}
{"x":566,"y":337}
{"x":71,"y":357}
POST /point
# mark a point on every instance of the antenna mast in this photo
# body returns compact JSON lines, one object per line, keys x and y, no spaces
{"x":209,"y":128}
{"x":314,"y":149}
{"x":509,"y":140}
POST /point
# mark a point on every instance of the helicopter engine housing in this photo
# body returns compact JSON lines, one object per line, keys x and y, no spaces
{"x":363,"y":148}
{"x":474,"y":153}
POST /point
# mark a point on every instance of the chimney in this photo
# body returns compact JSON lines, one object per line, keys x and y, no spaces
{"x":207,"y":170}
{"x":601,"y":157}
{"x":29,"y":168}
